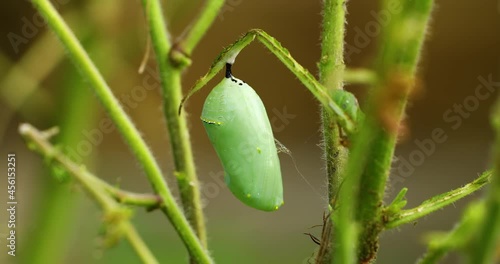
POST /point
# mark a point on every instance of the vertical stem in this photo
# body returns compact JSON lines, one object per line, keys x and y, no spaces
{"x":399,"y":54}
{"x":187,"y":180}
{"x":331,"y":68}
{"x":179,"y":137}
{"x":488,"y":240}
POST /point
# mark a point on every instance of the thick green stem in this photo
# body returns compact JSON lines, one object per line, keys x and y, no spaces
{"x":488,"y":240}
{"x":331,"y":70}
{"x":399,"y":54}
{"x":117,"y":214}
{"x":170,"y":77}
{"x":125,"y":126}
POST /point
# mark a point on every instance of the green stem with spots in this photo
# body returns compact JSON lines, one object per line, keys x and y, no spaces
{"x":399,"y":53}
{"x":331,"y":73}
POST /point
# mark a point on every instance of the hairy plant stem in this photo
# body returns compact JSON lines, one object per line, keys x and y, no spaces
{"x":170,"y":76}
{"x":125,"y":126}
{"x":395,"y":219}
{"x":331,"y":70}
{"x":399,"y":53}
{"x":116,"y":215}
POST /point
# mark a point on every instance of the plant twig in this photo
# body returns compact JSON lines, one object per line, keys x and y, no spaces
{"x":170,"y":76}
{"x":130,"y":198}
{"x":437,"y":202}
{"x":331,"y":71}
{"x":205,"y":19}
{"x":38,"y":141}
{"x":125,"y":126}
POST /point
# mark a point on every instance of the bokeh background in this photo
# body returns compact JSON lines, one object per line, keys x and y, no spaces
{"x":39,"y":85}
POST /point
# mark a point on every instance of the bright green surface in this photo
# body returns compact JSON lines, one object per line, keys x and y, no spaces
{"x":238,"y":127}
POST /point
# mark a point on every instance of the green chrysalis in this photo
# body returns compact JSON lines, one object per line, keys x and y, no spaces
{"x":238,"y":127}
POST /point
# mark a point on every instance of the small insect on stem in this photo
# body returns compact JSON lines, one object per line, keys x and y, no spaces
{"x":237,"y":125}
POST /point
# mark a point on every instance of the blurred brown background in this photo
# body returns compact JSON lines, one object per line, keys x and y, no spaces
{"x":463,"y":44}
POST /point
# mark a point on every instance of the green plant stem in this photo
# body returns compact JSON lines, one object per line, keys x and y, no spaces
{"x":200,"y":27}
{"x":488,"y":240}
{"x":440,"y":244}
{"x":131,"y":198}
{"x":437,"y":202}
{"x":38,"y":141}
{"x":399,"y":53}
{"x":331,"y":72}
{"x":125,"y":126}
{"x":177,"y":126}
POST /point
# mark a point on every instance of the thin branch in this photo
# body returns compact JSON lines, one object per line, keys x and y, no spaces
{"x":125,"y":126}
{"x":170,"y":75}
{"x":38,"y":141}
{"x":201,"y":25}
{"x":130,"y":198}
{"x":437,"y":202}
